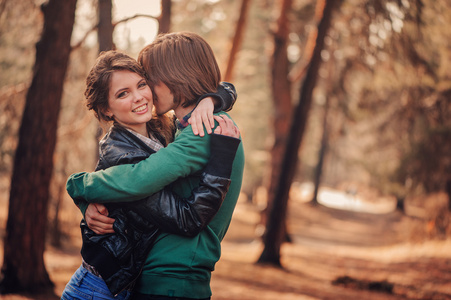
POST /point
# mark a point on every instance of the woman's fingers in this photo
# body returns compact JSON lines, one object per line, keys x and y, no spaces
{"x":196,"y":124}
{"x":202,"y":116}
{"x":226,"y":126}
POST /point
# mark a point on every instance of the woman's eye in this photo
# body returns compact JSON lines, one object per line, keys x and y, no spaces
{"x":122,"y":94}
{"x":142,"y":84}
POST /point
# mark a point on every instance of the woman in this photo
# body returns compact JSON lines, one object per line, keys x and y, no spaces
{"x":117,"y":91}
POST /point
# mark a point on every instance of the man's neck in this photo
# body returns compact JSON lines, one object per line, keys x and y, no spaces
{"x":181,"y":111}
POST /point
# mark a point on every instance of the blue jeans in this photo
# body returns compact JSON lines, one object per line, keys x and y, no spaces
{"x":138,"y":296}
{"x":84,"y":285}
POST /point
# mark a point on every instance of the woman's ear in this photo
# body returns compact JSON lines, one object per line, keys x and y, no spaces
{"x":107,"y":112}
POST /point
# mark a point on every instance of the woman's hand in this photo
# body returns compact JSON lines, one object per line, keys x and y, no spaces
{"x":96,"y":217}
{"x":226,"y":127}
{"x":202,"y":115}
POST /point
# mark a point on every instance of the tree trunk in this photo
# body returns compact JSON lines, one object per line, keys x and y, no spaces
{"x":400,"y":205}
{"x":105,"y":30}
{"x":322,"y":153}
{"x":23,"y":266}
{"x":56,"y":232}
{"x":105,"y":38}
{"x":274,"y":229}
{"x":448,"y":191}
{"x":237,"y":39}
{"x":282,"y":107}
{"x":164,"y":21}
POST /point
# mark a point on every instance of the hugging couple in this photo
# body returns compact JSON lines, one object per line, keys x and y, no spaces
{"x":161,"y":199}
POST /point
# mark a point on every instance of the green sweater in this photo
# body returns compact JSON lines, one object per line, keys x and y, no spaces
{"x":176,"y":266}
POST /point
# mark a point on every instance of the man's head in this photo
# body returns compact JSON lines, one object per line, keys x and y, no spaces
{"x":181,"y":64}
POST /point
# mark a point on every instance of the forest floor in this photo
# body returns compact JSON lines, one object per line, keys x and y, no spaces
{"x":335,"y":254}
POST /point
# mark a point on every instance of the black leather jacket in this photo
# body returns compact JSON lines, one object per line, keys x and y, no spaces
{"x":119,"y":257}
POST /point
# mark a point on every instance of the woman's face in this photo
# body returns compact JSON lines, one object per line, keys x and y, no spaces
{"x":130,"y":101}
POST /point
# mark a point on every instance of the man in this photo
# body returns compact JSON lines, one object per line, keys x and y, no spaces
{"x":181,"y":66}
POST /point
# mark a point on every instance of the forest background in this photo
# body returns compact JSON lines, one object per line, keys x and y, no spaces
{"x":368,"y":83}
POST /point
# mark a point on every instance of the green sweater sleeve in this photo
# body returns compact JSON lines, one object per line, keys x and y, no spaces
{"x":186,"y":155}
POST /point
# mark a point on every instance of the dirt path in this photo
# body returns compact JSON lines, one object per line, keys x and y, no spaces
{"x":338,"y":254}
{"x":335,"y":254}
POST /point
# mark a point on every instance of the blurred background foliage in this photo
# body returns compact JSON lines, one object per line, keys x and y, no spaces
{"x":386,"y":76}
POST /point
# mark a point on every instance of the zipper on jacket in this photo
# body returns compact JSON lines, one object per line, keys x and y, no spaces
{"x":131,"y":283}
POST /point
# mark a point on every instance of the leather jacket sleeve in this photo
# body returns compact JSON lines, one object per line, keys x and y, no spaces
{"x":226,"y":94}
{"x":188,"y":216}
{"x":172,"y":213}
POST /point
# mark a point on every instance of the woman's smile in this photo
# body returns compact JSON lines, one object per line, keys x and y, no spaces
{"x":141,"y":109}
{"x":130,"y":101}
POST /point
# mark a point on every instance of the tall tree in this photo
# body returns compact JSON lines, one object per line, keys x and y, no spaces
{"x":164,"y":20}
{"x":274,"y":229}
{"x":237,"y":39}
{"x":321,"y":154}
{"x":106,"y":28}
{"x":23,"y":267}
{"x":281,"y":97}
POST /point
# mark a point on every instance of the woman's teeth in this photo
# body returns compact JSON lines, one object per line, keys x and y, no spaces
{"x":141,"y":108}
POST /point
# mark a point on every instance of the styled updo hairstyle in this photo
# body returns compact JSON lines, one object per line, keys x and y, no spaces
{"x":98,"y":88}
{"x":99,"y":78}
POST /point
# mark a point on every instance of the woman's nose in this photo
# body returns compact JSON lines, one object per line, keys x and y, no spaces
{"x":137,"y":96}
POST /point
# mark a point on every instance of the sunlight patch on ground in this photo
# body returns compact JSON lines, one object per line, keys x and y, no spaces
{"x":395,"y":253}
{"x":352,"y":201}
{"x":347,"y":201}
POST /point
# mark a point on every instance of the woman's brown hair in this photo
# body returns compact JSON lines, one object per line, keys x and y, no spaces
{"x":184,"y":62}
{"x":98,"y":87}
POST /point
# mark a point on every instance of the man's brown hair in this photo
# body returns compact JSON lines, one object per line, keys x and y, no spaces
{"x":184,"y":62}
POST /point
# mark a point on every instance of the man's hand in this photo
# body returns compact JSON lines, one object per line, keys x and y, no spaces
{"x":202,"y":115}
{"x":96,"y":217}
